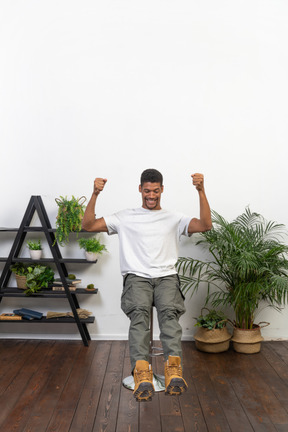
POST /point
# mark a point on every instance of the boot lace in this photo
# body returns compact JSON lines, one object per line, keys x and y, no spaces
{"x":174,"y":370}
{"x":143,"y":375}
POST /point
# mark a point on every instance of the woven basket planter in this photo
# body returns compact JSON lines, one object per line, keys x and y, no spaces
{"x":212,"y":341}
{"x":21,"y":281}
{"x":247,"y":341}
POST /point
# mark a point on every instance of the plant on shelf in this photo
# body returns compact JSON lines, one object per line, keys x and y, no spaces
{"x":35,"y":275}
{"x":247,"y":269}
{"x":34,"y":245}
{"x":90,"y":287}
{"x":92,"y":246}
{"x":35,"y":249}
{"x":38,"y":277}
{"x":212,"y":334}
{"x":19,"y":269}
{"x":69,"y":218}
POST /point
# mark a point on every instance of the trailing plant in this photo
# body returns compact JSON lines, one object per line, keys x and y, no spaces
{"x":37,"y":276}
{"x":92,"y":245}
{"x":33,"y":245}
{"x":212,"y":320}
{"x":69,"y":218}
{"x":247,"y":267}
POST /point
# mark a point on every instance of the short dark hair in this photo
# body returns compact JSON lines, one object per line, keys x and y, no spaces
{"x":152,"y":176}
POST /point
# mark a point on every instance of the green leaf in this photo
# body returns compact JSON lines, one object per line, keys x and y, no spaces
{"x":246,"y":266}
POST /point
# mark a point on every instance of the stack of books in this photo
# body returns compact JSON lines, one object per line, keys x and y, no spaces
{"x":72,"y":284}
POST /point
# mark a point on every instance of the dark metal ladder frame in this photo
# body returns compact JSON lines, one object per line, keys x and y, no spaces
{"x":36,"y":205}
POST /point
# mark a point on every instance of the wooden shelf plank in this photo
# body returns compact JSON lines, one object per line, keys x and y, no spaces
{"x":44,"y":320}
{"x":51,"y":260}
{"x":40,"y":229}
{"x":15,"y":292}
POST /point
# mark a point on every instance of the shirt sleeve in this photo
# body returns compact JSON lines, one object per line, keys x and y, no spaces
{"x":112,"y":223}
{"x":183,"y":226}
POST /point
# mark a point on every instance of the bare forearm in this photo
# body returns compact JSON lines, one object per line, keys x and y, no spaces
{"x":90,"y":223}
{"x":204,"y":223}
{"x":205,"y":211}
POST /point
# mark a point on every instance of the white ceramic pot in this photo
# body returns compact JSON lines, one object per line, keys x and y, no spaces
{"x":35,"y":254}
{"x":91,"y":256}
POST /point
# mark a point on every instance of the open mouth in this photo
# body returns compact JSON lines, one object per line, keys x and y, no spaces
{"x":151,"y":203}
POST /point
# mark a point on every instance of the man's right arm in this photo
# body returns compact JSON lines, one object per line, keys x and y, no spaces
{"x":90,"y":222}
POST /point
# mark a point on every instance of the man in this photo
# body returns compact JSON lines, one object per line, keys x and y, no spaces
{"x":148,"y":240}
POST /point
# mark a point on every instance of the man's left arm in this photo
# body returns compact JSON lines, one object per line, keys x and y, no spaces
{"x":204,"y":223}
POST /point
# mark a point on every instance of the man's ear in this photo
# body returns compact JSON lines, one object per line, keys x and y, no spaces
{"x":140,"y":189}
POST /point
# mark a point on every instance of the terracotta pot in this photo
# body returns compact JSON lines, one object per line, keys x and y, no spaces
{"x":212,"y":341}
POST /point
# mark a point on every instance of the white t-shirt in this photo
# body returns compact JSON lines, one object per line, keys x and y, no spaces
{"x":148,"y":240}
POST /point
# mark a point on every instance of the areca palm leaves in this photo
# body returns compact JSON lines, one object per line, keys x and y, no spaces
{"x":247,"y":266}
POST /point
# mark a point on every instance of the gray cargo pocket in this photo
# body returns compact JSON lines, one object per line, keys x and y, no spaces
{"x":127,"y":303}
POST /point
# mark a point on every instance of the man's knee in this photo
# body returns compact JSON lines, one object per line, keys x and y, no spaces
{"x":171,"y":313}
{"x":139,"y":314}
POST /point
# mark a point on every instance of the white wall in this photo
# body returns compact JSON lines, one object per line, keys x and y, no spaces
{"x":90,"y":88}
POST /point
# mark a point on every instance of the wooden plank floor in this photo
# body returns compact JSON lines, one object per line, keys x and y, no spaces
{"x":65,"y":387}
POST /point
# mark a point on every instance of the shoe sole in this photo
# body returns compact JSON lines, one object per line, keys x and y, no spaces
{"x":177,"y":386}
{"x":144,"y":392}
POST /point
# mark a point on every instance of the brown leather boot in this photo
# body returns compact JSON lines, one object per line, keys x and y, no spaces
{"x":174,"y":382}
{"x":143,"y":379}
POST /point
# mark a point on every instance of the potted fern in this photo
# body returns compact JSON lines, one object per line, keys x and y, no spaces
{"x":246,"y":270}
{"x":69,"y":218}
{"x":92,"y":247}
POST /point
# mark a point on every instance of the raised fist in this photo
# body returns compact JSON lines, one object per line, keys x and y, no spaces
{"x":99,"y":184}
{"x":198,"y":181}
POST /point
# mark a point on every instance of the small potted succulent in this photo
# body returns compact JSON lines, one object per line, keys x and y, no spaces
{"x":92,"y":248}
{"x":90,"y":287}
{"x":35,"y":249}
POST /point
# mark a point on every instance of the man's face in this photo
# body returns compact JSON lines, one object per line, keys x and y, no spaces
{"x":151,"y":195}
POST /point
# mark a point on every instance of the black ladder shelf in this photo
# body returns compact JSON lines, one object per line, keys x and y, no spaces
{"x":36,"y":205}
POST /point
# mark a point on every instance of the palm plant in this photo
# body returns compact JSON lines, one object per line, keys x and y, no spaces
{"x":248,"y":266}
